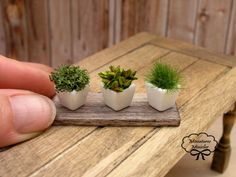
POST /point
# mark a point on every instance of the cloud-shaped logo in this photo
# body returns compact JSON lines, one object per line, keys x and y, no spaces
{"x":199,"y":145}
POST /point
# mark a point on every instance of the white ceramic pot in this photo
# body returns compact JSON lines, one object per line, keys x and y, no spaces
{"x":73,"y":100}
{"x":118,"y":100}
{"x":159,"y":98}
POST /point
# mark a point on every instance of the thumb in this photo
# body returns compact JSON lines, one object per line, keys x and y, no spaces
{"x":24,"y":116}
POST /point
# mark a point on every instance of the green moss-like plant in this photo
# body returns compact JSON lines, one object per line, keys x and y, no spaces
{"x":164,"y":76}
{"x":117,"y":78}
{"x":68,"y":78}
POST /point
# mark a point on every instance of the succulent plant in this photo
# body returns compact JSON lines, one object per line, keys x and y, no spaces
{"x":69,"y":78}
{"x":117,"y":78}
{"x":164,"y":76}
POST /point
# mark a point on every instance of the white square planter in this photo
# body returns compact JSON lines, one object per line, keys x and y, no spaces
{"x":159,"y":98}
{"x":118,"y":100}
{"x":73,"y":100}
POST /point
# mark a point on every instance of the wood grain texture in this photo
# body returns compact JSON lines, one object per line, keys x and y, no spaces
{"x":231,"y":40}
{"x":212,"y":24}
{"x":116,"y":51}
{"x":201,"y":73}
{"x":156,"y":159}
{"x":152,"y":16}
{"x":2,"y":33}
{"x":90,"y":22}
{"x":76,"y":34}
{"x":182,"y":20}
{"x":15,"y":29}
{"x":112,"y":22}
{"x":128,"y":18}
{"x":118,"y":16}
{"x":40,"y":150}
{"x":195,"y":51}
{"x":60,"y":32}
{"x":96,"y":113}
{"x":110,"y":152}
{"x":38,"y":31}
{"x":89,"y":161}
{"x":127,"y":151}
{"x":115,"y":9}
{"x":142,"y":15}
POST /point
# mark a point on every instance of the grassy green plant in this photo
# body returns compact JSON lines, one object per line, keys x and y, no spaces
{"x":117,"y":78}
{"x":164,"y":76}
{"x":69,"y":78}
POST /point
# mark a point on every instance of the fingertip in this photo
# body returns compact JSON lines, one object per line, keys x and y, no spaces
{"x":32,"y":113}
{"x":24,"y":116}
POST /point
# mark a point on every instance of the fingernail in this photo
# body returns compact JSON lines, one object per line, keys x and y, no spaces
{"x":32,"y":113}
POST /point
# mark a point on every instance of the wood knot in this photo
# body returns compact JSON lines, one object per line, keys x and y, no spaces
{"x":203,"y":16}
{"x":13,"y":15}
{"x":221,"y":12}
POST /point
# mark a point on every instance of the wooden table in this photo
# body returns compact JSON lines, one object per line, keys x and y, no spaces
{"x":209,"y":92}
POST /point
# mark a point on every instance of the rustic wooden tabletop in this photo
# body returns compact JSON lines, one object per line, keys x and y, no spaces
{"x":208,"y":92}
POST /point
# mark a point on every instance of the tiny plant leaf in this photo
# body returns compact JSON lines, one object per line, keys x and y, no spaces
{"x":68,"y":78}
{"x":164,"y":76}
{"x":117,"y":78}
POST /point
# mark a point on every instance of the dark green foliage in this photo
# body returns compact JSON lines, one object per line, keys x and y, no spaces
{"x":164,"y":76}
{"x":117,"y":79}
{"x":69,"y":78}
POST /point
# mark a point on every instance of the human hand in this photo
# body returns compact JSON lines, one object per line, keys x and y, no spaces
{"x":25,"y":109}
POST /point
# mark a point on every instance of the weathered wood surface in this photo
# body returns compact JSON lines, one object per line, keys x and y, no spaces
{"x":155,"y":159}
{"x":56,"y":32}
{"x":89,"y":27}
{"x":60,"y":32}
{"x":231,"y":39}
{"x":15,"y":27}
{"x":195,"y":51}
{"x":96,"y":113}
{"x":131,"y":151}
{"x":38,"y":31}
{"x":182,"y":20}
{"x":142,"y":15}
{"x":213,"y":24}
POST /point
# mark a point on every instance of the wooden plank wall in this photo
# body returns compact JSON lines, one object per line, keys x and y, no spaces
{"x":55,"y":32}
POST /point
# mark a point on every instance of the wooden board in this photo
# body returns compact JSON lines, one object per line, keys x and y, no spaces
{"x":179,"y":28}
{"x":195,"y":51}
{"x":89,"y":22}
{"x":212,"y":24}
{"x":95,"y":112}
{"x":56,"y":32}
{"x":15,"y":29}
{"x":142,"y":15}
{"x":38,"y":31}
{"x":231,"y":39}
{"x":60,"y":32}
{"x":115,"y":9}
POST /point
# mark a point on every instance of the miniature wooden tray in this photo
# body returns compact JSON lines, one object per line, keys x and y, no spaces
{"x":96,"y":113}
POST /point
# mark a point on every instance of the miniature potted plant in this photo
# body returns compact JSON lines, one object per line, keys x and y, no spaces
{"x":117,"y":87}
{"x":163,"y":85}
{"x":72,"y":85}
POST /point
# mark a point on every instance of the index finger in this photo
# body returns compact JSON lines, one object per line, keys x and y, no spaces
{"x":25,"y":76}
